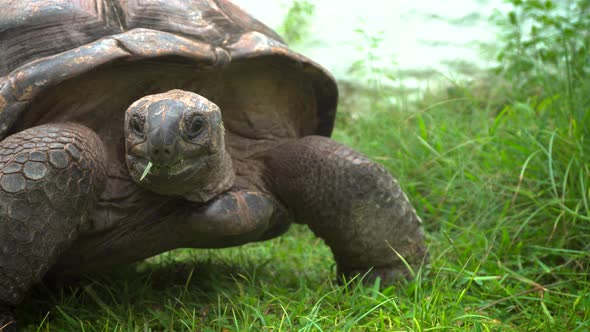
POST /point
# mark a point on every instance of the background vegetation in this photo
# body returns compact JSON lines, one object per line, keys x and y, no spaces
{"x":498,"y":168}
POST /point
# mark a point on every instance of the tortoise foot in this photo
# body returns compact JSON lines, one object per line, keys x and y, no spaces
{"x":389,"y":275}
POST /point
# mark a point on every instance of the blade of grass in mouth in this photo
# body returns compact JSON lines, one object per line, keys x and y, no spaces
{"x":146,"y":170}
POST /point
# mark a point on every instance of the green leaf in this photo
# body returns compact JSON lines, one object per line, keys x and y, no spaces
{"x":512,"y":18}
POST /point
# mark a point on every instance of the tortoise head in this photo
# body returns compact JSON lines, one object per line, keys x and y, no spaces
{"x":175,"y":145}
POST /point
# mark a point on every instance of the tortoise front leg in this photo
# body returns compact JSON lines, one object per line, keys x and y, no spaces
{"x":352,"y":203}
{"x":49,"y":178}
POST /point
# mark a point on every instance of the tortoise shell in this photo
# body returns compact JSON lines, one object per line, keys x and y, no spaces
{"x":86,"y":61}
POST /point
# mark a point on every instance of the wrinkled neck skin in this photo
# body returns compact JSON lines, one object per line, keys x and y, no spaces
{"x":217,"y":178}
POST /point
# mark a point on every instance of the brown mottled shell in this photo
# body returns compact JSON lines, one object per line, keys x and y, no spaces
{"x":88,"y":60}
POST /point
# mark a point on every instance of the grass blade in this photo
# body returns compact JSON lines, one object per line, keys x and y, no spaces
{"x":146,"y":170}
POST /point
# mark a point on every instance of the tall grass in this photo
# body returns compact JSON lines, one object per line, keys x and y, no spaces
{"x":500,"y":172}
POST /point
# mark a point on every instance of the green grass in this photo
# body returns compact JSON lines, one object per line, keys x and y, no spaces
{"x":501,"y":185}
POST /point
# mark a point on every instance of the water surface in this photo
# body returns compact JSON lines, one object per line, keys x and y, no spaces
{"x":423,"y":40}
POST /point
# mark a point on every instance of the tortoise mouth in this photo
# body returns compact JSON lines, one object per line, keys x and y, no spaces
{"x":183,"y":168}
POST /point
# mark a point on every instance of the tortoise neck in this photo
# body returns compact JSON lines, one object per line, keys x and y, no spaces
{"x":218,"y":179}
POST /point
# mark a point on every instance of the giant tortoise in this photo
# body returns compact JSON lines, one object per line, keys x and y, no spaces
{"x":133,"y":127}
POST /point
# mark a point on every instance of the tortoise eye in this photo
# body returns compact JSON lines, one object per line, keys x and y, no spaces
{"x":194,"y":125}
{"x":136,"y":124}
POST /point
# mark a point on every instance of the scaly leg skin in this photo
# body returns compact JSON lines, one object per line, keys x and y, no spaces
{"x":352,"y":203}
{"x":49,"y":179}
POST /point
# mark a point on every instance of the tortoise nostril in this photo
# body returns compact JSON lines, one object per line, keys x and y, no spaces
{"x":162,"y":154}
